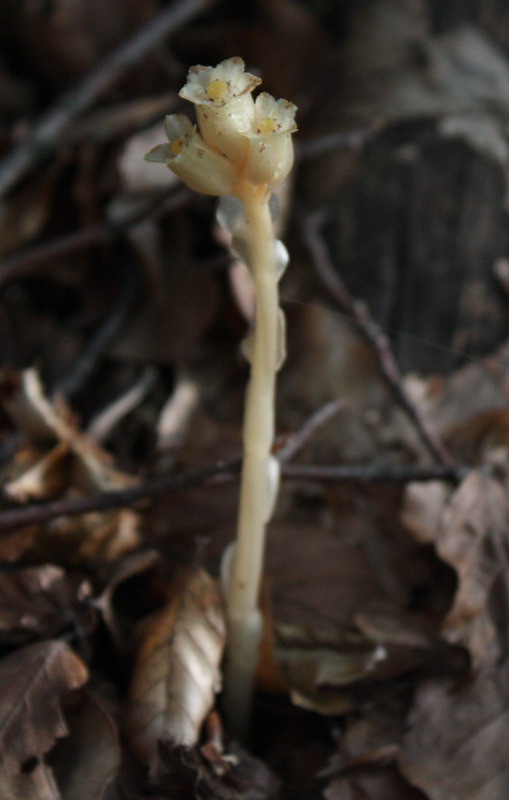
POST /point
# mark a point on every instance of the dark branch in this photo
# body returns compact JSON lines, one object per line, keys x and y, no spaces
{"x":30,"y":260}
{"x":38,"y":514}
{"x":371,"y":332}
{"x":46,"y":134}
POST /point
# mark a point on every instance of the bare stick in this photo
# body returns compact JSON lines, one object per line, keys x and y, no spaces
{"x":46,"y":134}
{"x":302,"y":436}
{"x":39,"y":513}
{"x":373,"y":473}
{"x":32,"y":259}
{"x":371,"y":332}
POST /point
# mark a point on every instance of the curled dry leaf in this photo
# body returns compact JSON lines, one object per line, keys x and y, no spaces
{"x":176,"y":674}
{"x":33,"y":684}
{"x":470,"y":530}
{"x":44,"y":477}
{"x":319,"y":664}
{"x":47,"y":423}
{"x":130,"y":567}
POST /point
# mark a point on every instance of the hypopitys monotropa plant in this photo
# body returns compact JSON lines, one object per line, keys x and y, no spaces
{"x":240,"y":150}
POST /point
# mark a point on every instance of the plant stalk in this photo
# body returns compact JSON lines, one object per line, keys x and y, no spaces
{"x":256,"y":490}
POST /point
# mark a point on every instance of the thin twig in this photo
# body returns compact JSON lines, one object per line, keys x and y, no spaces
{"x":46,"y":134}
{"x":108,"y":330}
{"x":29,"y":261}
{"x":302,"y":436}
{"x":321,"y":145}
{"x":373,"y":473}
{"x":370,"y":331}
{"x":37,"y":514}
{"x":101,"y":426}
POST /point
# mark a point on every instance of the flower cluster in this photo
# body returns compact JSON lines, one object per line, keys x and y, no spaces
{"x":236,"y":139}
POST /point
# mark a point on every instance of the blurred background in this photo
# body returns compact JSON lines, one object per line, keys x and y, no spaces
{"x":403,"y":112}
{"x":121,"y":317}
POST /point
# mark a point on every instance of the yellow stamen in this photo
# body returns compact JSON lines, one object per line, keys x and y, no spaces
{"x":177,"y":146}
{"x":267,"y":126}
{"x":217,"y":90}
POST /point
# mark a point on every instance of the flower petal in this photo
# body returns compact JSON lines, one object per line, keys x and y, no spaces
{"x":217,"y":86}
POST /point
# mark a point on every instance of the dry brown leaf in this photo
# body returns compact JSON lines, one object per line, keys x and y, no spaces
{"x":130,"y":567}
{"x":470,"y":531}
{"x":177,"y":674}
{"x":385,"y":784}
{"x":23,"y":217}
{"x":318,"y":664}
{"x":188,"y":774}
{"x":44,"y":478}
{"x":47,"y":422}
{"x":321,"y":578}
{"x":38,"y":602}
{"x":39,"y":784}
{"x":33,"y":683}
{"x":456,"y":745}
{"x":87,"y":762}
{"x":460,"y":401}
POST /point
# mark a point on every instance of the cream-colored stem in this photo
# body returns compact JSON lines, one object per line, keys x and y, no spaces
{"x":244,"y":619}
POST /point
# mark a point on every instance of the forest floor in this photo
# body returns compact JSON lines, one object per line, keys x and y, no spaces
{"x":384,"y":672}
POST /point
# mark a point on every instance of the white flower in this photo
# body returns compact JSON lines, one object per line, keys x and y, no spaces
{"x":270,"y":155}
{"x":219,"y":85}
{"x":193,"y":161}
{"x":224,"y":105}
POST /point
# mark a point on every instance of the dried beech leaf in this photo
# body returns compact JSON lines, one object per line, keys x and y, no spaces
{"x":318,"y":663}
{"x":45,"y":478}
{"x":33,"y":683}
{"x":128,"y":568}
{"x":188,"y":773}
{"x":39,"y":784}
{"x":88,"y":760}
{"x":470,"y":531}
{"x":456,"y":745}
{"x":176,"y":674}
{"x":375,"y":784}
{"x":37,"y":602}
{"x":46,"y":422}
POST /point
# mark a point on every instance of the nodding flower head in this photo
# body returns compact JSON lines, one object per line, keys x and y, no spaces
{"x":270,"y":155}
{"x":237,"y":141}
{"x":193,"y":161}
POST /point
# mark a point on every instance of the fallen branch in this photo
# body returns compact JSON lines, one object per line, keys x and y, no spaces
{"x":373,"y":473}
{"x":46,"y":135}
{"x":37,"y":514}
{"x":30,"y":260}
{"x":370,"y":331}
{"x":299,"y":439}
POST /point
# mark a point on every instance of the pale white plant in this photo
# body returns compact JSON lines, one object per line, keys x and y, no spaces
{"x":240,"y":150}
